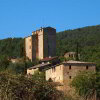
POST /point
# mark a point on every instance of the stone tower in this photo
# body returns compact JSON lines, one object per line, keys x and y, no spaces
{"x":41,"y":44}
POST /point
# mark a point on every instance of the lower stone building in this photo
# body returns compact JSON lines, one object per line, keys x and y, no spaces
{"x":63,"y":73}
{"x":67,"y":71}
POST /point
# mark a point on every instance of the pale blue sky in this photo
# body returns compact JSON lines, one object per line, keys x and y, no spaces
{"x":18,"y":18}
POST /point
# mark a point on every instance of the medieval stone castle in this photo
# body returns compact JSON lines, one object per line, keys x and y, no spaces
{"x":41,"y":44}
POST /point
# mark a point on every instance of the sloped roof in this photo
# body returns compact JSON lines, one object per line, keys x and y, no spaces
{"x":79,"y":63}
{"x":39,"y":65}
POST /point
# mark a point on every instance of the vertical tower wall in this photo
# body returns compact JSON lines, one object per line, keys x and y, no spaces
{"x":49,"y":42}
{"x":34,"y":46}
{"x":28,"y":47}
{"x":45,"y":43}
{"x":40,"y":44}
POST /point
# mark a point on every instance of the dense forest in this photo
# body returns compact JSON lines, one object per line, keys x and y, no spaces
{"x":11,"y":47}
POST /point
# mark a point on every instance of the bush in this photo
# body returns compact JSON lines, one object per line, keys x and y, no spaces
{"x":85,"y":84}
{"x":19,"y":87}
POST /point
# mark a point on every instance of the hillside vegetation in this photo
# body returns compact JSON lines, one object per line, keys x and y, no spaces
{"x":11,"y":47}
{"x":88,"y":39}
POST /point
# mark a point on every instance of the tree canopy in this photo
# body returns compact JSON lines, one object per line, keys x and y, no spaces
{"x":87,"y":84}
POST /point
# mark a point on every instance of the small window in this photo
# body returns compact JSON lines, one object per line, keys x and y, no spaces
{"x":70,"y":77}
{"x":69,"y":67}
{"x":87,"y":67}
{"x":69,"y":55}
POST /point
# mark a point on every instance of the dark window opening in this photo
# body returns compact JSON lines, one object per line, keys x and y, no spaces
{"x":87,"y":67}
{"x":50,"y":80}
{"x":70,"y":77}
{"x":70,"y":67}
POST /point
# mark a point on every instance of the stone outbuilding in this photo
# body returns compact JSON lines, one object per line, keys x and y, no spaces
{"x":71,"y":55}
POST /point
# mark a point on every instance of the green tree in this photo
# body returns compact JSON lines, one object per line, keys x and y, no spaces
{"x":85,"y":84}
{"x":4,"y":62}
{"x":19,"y":87}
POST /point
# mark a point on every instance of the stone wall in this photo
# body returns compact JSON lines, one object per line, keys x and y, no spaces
{"x":28,"y":47}
{"x":40,"y":45}
{"x":64,"y":74}
{"x":70,"y":72}
{"x":55,"y":73}
{"x":34,"y":47}
{"x":50,"y":42}
{"x":31,"y":71}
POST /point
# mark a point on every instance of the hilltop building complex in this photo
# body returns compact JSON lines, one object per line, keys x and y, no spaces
{"x":42,"y":45}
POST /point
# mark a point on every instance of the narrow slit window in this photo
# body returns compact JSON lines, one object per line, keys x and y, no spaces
{"x":69,"y":67}
{"x":87,"y":67}
{"x":70,"y":77}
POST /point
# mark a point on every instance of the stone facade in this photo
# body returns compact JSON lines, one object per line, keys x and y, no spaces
{"x":41,"y":44}
{"x":28,"y":47}
{"x":71,"y":55}
{"x":66,"y":71}
{"x":55,"y":73}
{"x":31,"y":71}
{"x":39,"y":67}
